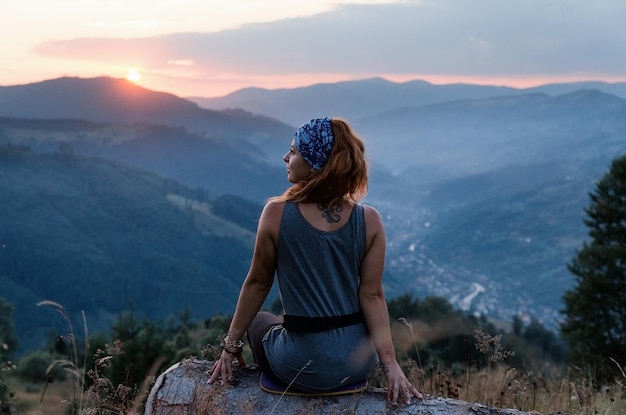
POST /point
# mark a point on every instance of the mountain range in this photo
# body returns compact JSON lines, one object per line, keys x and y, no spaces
{"x":370,"y":97}
{"x":482,"y":188}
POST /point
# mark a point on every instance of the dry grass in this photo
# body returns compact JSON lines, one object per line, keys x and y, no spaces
{"x":502,"y":387}
{"x":508,"y":388}
{"x":496,"y":385}
{"x":499,"y":385}
{"x":55,"y":401}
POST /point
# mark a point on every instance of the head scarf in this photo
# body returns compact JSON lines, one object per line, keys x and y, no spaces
{"x":314,"y":140}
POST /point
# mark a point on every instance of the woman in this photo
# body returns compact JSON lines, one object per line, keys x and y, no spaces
{"x":328,"y":252}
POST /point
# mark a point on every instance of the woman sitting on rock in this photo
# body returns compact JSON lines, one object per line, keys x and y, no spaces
{"x":327,"y":251}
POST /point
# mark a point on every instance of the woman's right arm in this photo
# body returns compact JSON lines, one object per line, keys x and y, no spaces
{"x":374,"y":306}
{"x":256,"y":286}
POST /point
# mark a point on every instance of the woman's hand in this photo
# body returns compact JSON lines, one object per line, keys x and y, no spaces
{"x":224,"y":367}
{"x":398,"y":386}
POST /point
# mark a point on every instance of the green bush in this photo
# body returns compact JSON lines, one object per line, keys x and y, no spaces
{"x":34,"y":368}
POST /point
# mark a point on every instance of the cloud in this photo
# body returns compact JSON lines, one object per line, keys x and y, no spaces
{"x":448,"y":37}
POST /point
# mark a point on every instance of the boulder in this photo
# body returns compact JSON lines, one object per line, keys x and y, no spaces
{"x":183,"y":390}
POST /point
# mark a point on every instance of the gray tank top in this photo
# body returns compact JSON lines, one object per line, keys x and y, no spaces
{"x":318,"y":272}
{"x":318,"y":276}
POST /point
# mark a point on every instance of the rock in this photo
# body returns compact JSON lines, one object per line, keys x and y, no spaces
{"x":183,"y":390}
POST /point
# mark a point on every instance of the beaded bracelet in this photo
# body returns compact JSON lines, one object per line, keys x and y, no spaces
{"x":227,"y":343}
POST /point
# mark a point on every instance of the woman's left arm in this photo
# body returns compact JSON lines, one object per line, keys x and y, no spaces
{"x":374,"y":306}
{"x":254,"y":290}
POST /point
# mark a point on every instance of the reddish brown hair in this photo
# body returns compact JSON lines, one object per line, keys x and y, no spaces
{"x":344,"y":176}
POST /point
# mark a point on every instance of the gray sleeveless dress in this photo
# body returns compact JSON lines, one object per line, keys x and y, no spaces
{"x":318,"y":276}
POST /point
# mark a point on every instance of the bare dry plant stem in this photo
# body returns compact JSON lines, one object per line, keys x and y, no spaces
{"x":409,"y":324}
{"x":71,"y":366}
{"x":289,"y":386}
{"x":620,"y":369}
{"x":145,"y":387}
{"x":485,"y":343}
{"x":102,"y":397}
{"x":422,"y":379}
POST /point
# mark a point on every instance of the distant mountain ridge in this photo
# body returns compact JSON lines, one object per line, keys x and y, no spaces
{"x":365,"y":98}
{"x":113,"y":100}
{"x":472,"y":136}
{"x":101,"y":99}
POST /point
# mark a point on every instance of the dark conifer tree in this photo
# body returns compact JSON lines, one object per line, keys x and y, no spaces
{"x":595,"y":308}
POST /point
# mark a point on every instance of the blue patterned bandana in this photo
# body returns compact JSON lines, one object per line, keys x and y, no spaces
{"x":314,"y":140}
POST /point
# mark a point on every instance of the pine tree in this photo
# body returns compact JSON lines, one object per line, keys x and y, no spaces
{"x":595,"y":309}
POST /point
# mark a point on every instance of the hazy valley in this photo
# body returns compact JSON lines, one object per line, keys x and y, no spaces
{"x":116,"y":196}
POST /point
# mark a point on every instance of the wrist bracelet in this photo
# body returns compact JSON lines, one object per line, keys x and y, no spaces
{"x":231,"y":353}
{"x":228,"y":345}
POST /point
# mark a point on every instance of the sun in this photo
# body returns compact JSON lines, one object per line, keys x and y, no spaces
{"x":133,"y":75}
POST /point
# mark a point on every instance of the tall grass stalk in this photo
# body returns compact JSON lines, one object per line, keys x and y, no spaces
{"x":289,"y":386}
{"x":409,"y":324}
{"x":621,"y":370}
{"x":486,"y":343}
{"x":422,"y":379}
{"x":77,"y":374}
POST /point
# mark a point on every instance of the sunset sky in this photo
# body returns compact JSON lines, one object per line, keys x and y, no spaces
{"x":211,"y":48}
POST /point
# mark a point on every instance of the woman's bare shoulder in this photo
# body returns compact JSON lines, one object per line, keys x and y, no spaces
{"x":272,"y":206}
{"x":373,"y":222}
{"x":371,"y":214}
{"x":272,"y":213}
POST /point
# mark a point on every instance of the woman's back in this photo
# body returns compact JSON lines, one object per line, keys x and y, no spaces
{"x":318,"y":274}
{"x":318,"y":271}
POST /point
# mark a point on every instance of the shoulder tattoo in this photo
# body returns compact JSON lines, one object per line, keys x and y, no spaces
{"x":332,"y":214}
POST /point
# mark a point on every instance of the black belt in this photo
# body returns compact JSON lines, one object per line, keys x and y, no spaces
{"x":316,"y":324}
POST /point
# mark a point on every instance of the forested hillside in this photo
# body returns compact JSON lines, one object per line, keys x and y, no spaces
{"x":193,"y":159}
{"x":103,"y":237}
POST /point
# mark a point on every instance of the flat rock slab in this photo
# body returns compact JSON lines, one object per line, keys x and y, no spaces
{"x":183,"y":390}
